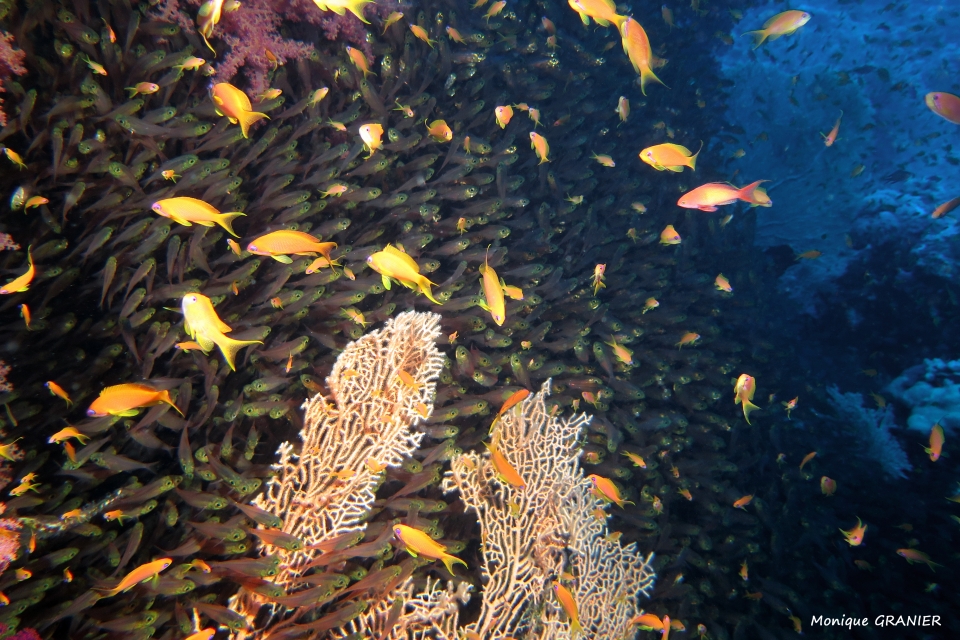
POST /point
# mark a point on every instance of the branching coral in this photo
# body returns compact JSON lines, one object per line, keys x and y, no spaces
{"x":532,"y":534}
{"x":11,"y":63}
{"x":326,"y":491}
{"x":871,"y":429}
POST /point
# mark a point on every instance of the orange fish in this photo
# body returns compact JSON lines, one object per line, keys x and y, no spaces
{"x":138,"y":575}
{"x":201,"y":322}
{"x":688,"y":338}
{"x":831,"y":137}
{"x":623,"y":108}
{"x":493,"y":294}
{"x":936,"y":442}
{"x":421,"y":33}
{"x":854,"y":537}
{"x":744,"y":571}
{"x":515,"y":398}
{"x":636,"y":45}
{"x":277,"y":244}
{"x":722,"y":284}
{"x":506,"y":472}
{"x":636,"y":460}
{"x":604,"y":489}
{"x":67,"y":433}
{"x":235,"y":105}
{"x":391,"y":263}
{"x":620,"y":352}
{"x":669,"y":235}
{"x":22,"y":282}
{"x":790,"y":406}
{"x":419,"y":543}
{"x":743,"y":391}
{"x":670,"y":157}
{"x":807,"y":458}
{"x":945,"y":105}
{"x":741,"y":503}
{"x":945,"y":208}
{"x":813,"y":254}
{"x":539,"y":144}
{"x":913,"y":555}
{"x":359,"y":60}
{"x":127,"y":400}
{"x":25,"y":314}
{"x":189,"y":211}
{"x":714,"y":194}
{"x":440,"y":131}
{"x":569,"y":605}
{"x":372,"y":136}
{"x":57,"y":390}
{"x":145,"y":88}
{"x":828,"y":486}
{"x":603,"y":11}
{"x":504,"y":114}
{"x":782,"y":24}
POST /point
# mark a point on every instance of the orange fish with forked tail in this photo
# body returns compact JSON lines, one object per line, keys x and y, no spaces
{"x":636,"y":45}
{"x":278,"y":244}
{"x":127,"y":400}
{"x":419,"y":543}
{"x":782,"y":24}
{"x":235,"y":105}
{"x":854,"y":537}
{"x":716,"y":194}
{"x":138,"y":575}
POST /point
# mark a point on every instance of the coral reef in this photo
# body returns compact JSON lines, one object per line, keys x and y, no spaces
{"x":11,"y":63}
{"x":871,"y":430}
{"x":548,"y":527}
{"x":932,"y":392}
{"x":886,"y":172}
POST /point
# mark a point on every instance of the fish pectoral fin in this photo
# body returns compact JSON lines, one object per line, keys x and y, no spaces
{"x":182,"y":221}
{"x":206,"y":344}
{"x":677,"y":169}
{"x":127,"y":413}
{"x":386,"y":282}
{"x":282,"y":258}
{"x":707,"y":208}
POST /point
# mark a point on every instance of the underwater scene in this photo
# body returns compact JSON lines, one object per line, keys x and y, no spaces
{"x":479,"y":319}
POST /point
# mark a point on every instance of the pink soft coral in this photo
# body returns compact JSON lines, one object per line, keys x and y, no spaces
{"x":11,"y":63}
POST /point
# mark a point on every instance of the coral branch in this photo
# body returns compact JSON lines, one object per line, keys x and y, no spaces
{"x":327,"y":490}
{"x":11,"y":63}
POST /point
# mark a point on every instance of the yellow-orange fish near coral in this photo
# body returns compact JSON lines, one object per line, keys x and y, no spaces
{"x":201,"y":322}
{"x":138,"y":575}
{"x":419,"y":543}
{"x":22,"y":282}
{"x":539,"y":144}
{"x":393,"y":264}
{"x":235,"y":105}
{"x":440,"y":131}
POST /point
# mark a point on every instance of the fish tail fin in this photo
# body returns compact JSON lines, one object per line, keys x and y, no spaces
{"x":225,"y":220}
{"x":229,"y":347}
{"x":165,"y":397}
{"x":248,"y":118}
{"x":746,"y":193}
{"x":758,"y":36}
{"x":748,"y":407}
{"x":424,"y":284}
{"x":693,"y":158}
{"x":356,"y":8}
{"x":646,"y":75}
{"x":575,"y":628}
{"x":449,"y":561}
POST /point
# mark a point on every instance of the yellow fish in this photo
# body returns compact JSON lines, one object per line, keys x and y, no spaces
{"x":190,"y":211}
{"x":138,"y":575}
{"x":569,"y":605}
{"x":340,"y":6}
{"x":606,"y":490}
{"x":21,"y":283}
{"x":670,"y":157}
{"x":201,"y":322}
{"x":235,"y":105}
{"x":372,"y":136}
{"x":493,"y":293}
{"x":603,"y":11}
{"x":395,"y":264}
{"x":420,"y":544}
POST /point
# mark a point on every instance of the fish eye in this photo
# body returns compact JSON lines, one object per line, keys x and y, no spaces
{"x":91,"y":413}
{"x":252,"y":248}
{"x":191,"y":299}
